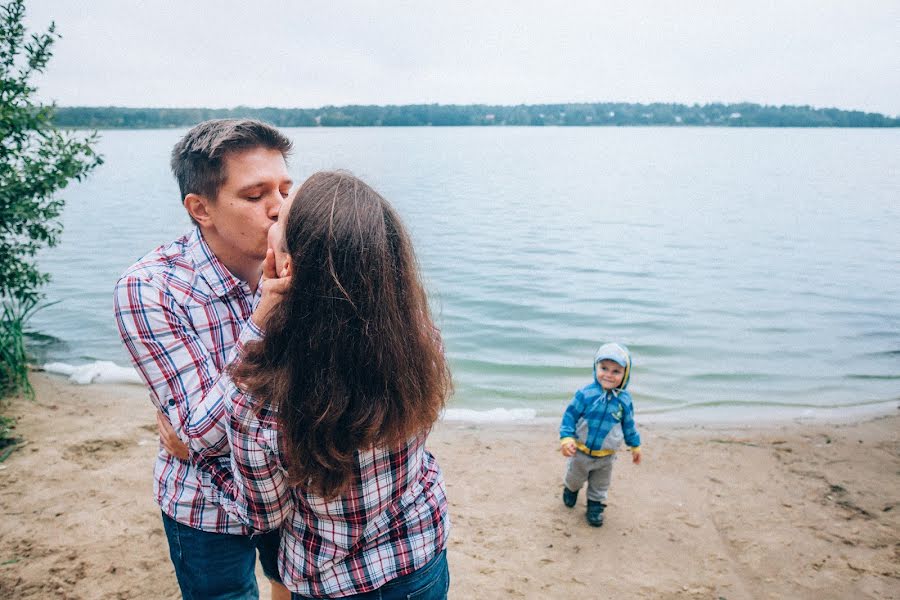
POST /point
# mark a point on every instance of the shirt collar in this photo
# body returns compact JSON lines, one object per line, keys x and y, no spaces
{"x":221,"y":281}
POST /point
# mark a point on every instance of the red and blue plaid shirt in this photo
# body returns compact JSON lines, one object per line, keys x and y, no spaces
{"x":391,"y":521}
{"x":180,"y":314}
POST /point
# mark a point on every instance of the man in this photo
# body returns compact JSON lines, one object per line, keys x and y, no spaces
{"x":180,"y":311}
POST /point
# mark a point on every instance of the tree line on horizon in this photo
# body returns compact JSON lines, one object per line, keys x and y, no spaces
{"x":437,"y":115}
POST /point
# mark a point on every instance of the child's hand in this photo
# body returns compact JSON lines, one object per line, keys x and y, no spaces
{"x":636,"y":456}
{"x":568,"y":449}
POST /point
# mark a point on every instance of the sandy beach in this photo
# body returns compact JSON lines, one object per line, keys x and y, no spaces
{"x":768,"y":511}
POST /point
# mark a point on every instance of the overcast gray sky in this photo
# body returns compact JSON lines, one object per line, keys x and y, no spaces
{"x":309,"y":54}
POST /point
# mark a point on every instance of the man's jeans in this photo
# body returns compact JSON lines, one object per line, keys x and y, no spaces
{"x":431,"y":582}
{"x":212,"y":566}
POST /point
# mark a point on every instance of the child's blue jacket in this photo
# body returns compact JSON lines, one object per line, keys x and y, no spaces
{"x":599,"y":420}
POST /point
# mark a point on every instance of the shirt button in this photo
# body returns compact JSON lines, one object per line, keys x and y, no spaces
{"x":171,"y":401}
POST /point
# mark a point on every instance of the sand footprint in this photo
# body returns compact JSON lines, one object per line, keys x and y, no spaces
{"x":94,"y":454}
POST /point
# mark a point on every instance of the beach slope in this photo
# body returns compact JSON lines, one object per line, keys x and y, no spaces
{"x":778,"y":511}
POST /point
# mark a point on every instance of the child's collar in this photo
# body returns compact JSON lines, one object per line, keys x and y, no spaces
{"x":614,"y":391}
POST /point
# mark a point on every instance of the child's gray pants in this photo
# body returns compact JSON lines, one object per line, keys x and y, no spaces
{"x":596,"y":470}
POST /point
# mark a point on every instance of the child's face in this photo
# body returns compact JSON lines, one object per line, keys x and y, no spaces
{"x":609,"y":374}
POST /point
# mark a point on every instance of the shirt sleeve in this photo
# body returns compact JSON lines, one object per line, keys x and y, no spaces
{"x":182,"y":375}
{"x":574,"y":411}
{"x":629,"y":429}
{"x":254,"y":489}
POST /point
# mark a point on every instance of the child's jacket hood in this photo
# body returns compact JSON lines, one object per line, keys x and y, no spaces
{"x":617,"y":353}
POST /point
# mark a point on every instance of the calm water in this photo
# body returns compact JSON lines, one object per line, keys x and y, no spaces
{"x":752,"y":272}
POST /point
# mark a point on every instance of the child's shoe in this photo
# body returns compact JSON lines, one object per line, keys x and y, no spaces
{"x":569,"y":497}
{"x":595,"y":513}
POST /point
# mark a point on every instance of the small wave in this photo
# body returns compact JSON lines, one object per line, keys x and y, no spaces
{"x":743,"y":413}
{"x":890,"y":353}
{"x":535,"y":370}
{"x":727,"y":377}
{"x":657,"y":350}
{"x":101,"y":371}
{"x":494,"y":415}
{"x":42,"y":338}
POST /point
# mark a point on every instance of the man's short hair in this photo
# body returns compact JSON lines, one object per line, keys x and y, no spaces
{"x":198,"y":159}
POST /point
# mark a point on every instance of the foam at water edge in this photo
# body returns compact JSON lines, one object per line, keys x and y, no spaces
{"x":494,"y":415}
{"x":108,"y":372}
{"x":101,"y":371}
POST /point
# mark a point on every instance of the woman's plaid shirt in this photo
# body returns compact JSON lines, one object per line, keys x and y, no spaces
{"x":180,"y":314}
{"x":390,"y":522}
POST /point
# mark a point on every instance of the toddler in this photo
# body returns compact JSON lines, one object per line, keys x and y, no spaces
{"x":599,"y":417}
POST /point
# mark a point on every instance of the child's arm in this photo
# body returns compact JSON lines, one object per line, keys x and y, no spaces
{"x":632,"y":437}
{"x":574,"y":411}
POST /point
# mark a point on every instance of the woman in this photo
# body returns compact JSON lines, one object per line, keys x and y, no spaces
{"x":329,"y":410}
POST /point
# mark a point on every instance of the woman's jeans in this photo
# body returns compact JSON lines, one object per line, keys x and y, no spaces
{"x":430,"y":582}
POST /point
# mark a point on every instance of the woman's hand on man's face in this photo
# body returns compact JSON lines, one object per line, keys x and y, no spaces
{"x":274,"y":287}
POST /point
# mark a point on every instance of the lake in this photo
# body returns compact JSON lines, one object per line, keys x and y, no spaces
{"x":752,"y":272}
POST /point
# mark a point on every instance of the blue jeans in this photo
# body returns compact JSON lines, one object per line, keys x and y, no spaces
{"x":217,"y":566}
{"x":430,"y":582}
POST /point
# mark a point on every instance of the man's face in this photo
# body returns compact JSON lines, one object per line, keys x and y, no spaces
{"x":256,"y":184}
{"x":276,"y":237}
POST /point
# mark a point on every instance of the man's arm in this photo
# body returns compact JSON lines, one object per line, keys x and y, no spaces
{"x":178,"y":369}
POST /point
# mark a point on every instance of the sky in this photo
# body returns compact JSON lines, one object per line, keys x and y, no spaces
{"x":307,"y":54}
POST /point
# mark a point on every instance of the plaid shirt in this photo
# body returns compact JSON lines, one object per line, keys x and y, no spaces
{"x":391,"y":521}
{"x":180,"y":313}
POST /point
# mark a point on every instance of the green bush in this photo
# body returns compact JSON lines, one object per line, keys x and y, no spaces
{"x":13,"y":359}
{"x":37,"y":160}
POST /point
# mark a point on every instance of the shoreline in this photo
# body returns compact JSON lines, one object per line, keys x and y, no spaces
{"x":738,"y":413}
{"x":790,"y":510}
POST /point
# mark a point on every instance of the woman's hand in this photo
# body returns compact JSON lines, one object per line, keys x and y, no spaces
{"x":274,"y":287}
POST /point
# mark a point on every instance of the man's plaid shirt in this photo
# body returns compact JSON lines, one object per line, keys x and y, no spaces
{"x":180,"y":314}
{"x":391,"y":521}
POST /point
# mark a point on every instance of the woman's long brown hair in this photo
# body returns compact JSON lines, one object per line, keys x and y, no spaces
{"x":350,"y":359}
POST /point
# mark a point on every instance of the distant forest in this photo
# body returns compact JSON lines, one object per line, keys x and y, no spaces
{"x":600,"y":114}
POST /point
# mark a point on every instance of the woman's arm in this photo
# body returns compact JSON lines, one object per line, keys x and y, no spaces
{"x":254,"y":489}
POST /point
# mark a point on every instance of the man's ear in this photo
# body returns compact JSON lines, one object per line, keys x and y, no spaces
{"x":197,"y":207}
